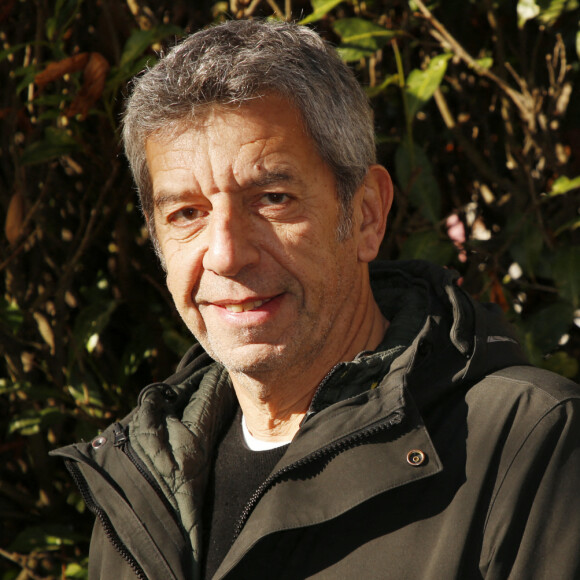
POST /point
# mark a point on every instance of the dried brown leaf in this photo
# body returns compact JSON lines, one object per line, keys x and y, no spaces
{"x":56,"y":70}
{"x":45,"y":329}
{"x":15,"y":218}
{"x":95,"y":75}
{"x":497,"y":294}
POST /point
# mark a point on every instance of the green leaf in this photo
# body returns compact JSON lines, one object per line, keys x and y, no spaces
{"x":546,"y":327}
{"x":137,"y":43}
{"x":552,"y":10}
{"x":56,"y":143}
{"x":64,"y":13}
{"x":92,"y":320}
{"x":320,"y":8}
{"x":416,"y":178}
{"x":485,"y":62}
{"x":566,"y":268}
{"x":11,"y":317}
{"x":7,"y":388}
{"x":49,"y":115}
{"x":140,"y":347}
{"x":85,"y":384}
{"x":361,"y":38}
{"x":30,"y":391}
{"x":119,"y":76}
{"x":28,"y":73}
{"x":374,"y":91}
{"x":33,"y":421}
{"x":54,"y":101}
{"x":527,"y":245}
{"x":85,"y":397}
{"x":74,"y":570}
{"x":45,"y":537}
{"x":421,"y":84}
{"x":141,"y":40}
{"x":564,"y":185}
{"x":429,"y":246}
{"x":547,"y":11}
{"x":563,"y":364}
{"x":571,"y":225}
{"x":177,"y":342}
{"x":381,"y":138}
{"x":74,"y":498}
{"x":12,"y":49}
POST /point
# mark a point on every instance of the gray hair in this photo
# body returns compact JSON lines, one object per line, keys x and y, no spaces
{"x":234,"y":62}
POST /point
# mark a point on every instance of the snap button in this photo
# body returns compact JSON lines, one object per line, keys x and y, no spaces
{"x":415,"y":457}
{"x":98,"y":442}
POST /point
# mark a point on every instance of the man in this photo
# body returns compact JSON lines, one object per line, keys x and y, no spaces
{"x":330,"y":423}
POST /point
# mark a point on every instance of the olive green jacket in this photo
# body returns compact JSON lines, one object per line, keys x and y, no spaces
{"x":439,"y":456}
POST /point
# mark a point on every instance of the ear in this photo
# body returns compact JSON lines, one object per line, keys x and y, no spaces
{"x":375,"y":202}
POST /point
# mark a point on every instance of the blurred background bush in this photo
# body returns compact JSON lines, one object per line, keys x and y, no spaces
{"x":478,"y":120}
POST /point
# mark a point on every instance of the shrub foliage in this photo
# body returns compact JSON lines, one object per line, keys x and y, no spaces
{"x":478,"y":120}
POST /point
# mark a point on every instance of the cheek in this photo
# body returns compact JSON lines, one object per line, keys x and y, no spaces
{"x":173,"y":285}
{"x":295,"y":241}
{"x":315,"y":246}
{"x":183,"y":271}
{"x":308,"y":238}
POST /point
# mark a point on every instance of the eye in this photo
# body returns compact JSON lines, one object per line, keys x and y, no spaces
{"x":274,"y":198}
{"x":185,"y":216}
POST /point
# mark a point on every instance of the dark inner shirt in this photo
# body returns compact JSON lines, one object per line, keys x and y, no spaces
{"x":237,"y":473}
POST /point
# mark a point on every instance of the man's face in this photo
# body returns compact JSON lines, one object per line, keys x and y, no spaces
{"x":246,"y":215}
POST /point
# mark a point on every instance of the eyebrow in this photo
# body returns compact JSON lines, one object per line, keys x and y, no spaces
{"x":271,"y":178}
{"x":163,"y":198}
{"x":268,"y":178}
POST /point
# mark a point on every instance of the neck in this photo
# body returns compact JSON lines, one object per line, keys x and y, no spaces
{"x":274,"y":405}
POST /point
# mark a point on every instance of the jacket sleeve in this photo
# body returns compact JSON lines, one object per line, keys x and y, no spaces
{"x":533,"y":526}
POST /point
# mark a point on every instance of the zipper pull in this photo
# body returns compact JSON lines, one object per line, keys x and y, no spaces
{"x":119,"y":434}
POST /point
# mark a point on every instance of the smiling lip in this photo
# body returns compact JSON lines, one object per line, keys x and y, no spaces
{"x":244,"y":306}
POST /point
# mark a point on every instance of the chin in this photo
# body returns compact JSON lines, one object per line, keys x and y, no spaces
{"x":251,"y":359}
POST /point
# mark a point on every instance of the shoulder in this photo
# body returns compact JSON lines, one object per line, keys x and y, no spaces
{"x":513,"y":407}
{"x":532,"y":438}
{"x":521,"y":412}
{"x":536,"y":382}
{"x":540,"y":387}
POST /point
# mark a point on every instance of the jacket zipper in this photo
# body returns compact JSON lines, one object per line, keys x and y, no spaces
{"x":338,"y":446}
{"x":312,"y":409}
{"x":108,"y":528}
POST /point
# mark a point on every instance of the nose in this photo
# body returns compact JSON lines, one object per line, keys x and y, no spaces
{"x":230,"y":246}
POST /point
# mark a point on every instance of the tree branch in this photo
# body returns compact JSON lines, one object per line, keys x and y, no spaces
{"x":523,"y":102}
{"x":471,"y":152}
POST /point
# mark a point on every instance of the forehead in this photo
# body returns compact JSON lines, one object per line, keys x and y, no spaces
{"x":227,"y":143}
{"x":270,"y":111}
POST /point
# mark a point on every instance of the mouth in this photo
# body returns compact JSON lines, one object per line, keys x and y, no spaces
{"x":245,"y":306}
